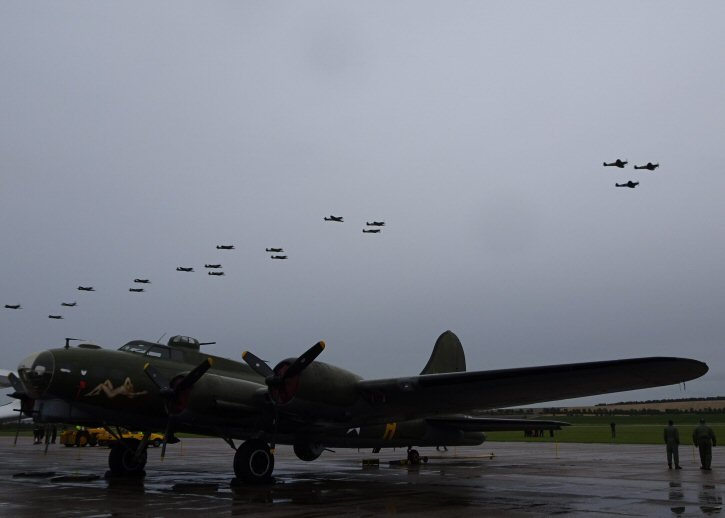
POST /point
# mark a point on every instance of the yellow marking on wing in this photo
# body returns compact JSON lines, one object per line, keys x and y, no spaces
{"x":389,"y":431}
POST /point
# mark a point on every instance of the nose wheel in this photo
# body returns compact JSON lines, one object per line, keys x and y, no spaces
{"x":254,"y":462}
{"x":126,"y":460}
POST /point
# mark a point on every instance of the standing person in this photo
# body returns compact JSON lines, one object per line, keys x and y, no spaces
{"x":672,"y":440}
{"x":613,"y":426}
{"x":704,"y":438}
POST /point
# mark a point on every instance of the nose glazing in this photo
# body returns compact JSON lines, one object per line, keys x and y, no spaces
{"x":36,"y":373}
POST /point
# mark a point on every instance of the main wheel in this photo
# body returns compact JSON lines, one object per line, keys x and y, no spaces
{"x":254,"y":462}
{"x":123,"y":460}
{"x":82,"y":439}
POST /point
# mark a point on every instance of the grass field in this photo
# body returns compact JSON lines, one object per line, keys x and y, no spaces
{"x":646,"y":429}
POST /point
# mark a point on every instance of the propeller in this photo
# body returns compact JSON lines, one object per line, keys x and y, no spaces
{"x":175,"y":392}
{"x":25,"y":401}
{"x":282,"y":381}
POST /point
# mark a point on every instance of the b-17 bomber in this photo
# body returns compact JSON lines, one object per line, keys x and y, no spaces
{"x":56,"y":317}
{"x":136,"y":290}
{"x":13,"y":306}
{"x":278,"y":257}
{"x":217,"y":274}
{"x":617,"y":163}
{"x":629,"y":184}
{"x":274,"y":250}
{"x":334,"y":218}
{"x":69,"y":304}
{"x":142,"y":281}
{"x":311,"y":405}
{"x":184,"y":269}
{"x":86,"y":288}
{"x":371,"y":231}
{"x":375,"y":223}
{"x":212,"y":266}
{"x":225,"y":247}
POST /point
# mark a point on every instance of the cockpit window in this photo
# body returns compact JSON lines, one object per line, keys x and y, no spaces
{"x":135,"y":348}
{"x":148,"y":349}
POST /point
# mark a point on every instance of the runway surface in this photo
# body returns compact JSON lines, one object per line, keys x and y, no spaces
{"x":521,"y":479}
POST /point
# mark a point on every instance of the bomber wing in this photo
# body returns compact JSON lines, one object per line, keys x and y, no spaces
{"x":463,"y":392}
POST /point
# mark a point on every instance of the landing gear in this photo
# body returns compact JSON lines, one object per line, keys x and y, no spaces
{"x":254,"y":462}
{"x":126,"y":459}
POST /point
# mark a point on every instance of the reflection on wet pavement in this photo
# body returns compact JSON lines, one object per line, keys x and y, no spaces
{"x":522,"y":479}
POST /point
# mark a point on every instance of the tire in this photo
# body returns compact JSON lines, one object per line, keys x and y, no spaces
{"x":254,"y":462}
{"x":156,"y":443}
{"x":122,"y":459}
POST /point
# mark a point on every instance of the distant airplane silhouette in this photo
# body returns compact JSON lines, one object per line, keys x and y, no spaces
{"x":142,"y":281}
{"x":56,"y":317}
{"x":334,"y":218}
{"x":371,"y":231}
{"x":629,"y":184}
{"x":617,"y":163}
{"x":212,"y":266}
{"x":275,"y":250}
{"x":13,"y":306}
{"x":375,"y":224}
{"x":278,"y":257}
{"x":69,"y":304}
{"x":215,"y":273}
{"x":182,"y":269}
{"x":136,"y":290}
{"x":225,"y":247}
{"x":86,"y":288}
{"x":650,"y":166}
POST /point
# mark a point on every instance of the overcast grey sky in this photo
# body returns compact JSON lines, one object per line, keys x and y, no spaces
{"x":137,"y":136}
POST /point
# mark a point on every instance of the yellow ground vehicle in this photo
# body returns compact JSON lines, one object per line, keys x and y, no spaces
{"x":80,"y":436}
{"x":106,"y":439}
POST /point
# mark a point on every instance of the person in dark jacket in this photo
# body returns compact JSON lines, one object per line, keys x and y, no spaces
{"x":704,"y":438}
{"x":672,"y":440}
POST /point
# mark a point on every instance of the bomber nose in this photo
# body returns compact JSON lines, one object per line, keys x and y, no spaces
{"x":36,"y":373}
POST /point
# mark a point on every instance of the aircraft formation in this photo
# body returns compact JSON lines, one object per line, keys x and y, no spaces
{"x":215,"y":269}
{"x":649,"y":166}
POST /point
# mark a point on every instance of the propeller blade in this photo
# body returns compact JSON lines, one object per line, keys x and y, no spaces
{"x":166,"y":438}
{"x":190,"y":379}
{"x":303,"y":361}
{"x":16,"y":383}
{"x":159,"y":379}
{"x":257,"y":365}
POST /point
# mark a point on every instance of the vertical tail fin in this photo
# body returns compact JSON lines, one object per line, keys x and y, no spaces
{"x":447,"y":356}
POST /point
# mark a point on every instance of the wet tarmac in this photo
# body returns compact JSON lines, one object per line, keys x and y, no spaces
{"x":520,"y":479}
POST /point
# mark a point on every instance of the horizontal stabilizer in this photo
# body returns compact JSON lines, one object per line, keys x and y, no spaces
{"x":493,"y":424}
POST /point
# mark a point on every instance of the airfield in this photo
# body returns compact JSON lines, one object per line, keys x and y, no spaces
{"x":494,"y":479}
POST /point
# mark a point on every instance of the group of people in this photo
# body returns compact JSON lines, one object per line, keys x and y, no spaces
{"x":703,"y":437}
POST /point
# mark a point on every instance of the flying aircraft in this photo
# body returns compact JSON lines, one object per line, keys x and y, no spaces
{"x":136,"y":290}
{"x":371,"y":231}
{"x":617,"y":163}
{"x":142,"y":281}
{"x":649,"y":166}
{"x":334,"y":218}
{"x":69,"y":304}
{"x":212,"y":266}
{"x":56,"y":317}
{"x":306,"y":403}
{"x":218,"y":274}
{"x":375,"y":224}
{"x":225,"y":247}
{"x":278,"y":257}
{"x":274,"y":250}
{"x":13,"y":306}
{"x":629,"y":184}
{"x":182,"y":269}
{"x":86,"y":288}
